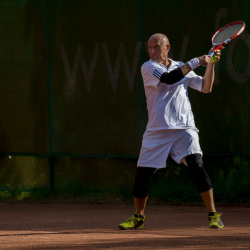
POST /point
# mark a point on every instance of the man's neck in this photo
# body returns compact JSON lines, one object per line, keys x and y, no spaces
{"x":166,"y":62}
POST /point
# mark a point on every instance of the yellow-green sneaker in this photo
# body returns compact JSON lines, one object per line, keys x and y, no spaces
{"x":134,"y":222}
{"x":215,"y":221}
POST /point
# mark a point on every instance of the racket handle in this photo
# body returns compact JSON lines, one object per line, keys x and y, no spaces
{"x":211,"y":53}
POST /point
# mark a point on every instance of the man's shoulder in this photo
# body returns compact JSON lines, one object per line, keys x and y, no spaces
{"x":177,"y":63}
{"x":150,"y":65}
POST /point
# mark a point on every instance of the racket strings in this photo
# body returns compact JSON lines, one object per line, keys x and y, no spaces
{"x":227,"y":33}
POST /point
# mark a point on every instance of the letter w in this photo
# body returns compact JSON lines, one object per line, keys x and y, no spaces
{"x":87,"y":75}
{"x":130,"y":74}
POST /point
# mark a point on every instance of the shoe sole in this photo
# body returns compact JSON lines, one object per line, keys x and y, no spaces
{"x":216,"y":227}
{"x":130,"y":228}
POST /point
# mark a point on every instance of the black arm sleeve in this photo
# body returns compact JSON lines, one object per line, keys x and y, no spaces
{"x":172,"y":77}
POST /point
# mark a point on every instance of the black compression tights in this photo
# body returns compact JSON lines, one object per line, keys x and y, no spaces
{"x":198,"y":171}
{"x":142,"y":181}
{"x":195,"y":166}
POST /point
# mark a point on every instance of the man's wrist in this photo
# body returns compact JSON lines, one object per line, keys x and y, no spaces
{"x":194,"y":63}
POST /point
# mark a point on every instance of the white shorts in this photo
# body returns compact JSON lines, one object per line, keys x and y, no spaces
{"x":157,"y":145}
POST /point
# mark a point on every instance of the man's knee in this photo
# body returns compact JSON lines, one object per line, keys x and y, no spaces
{"x":198,"y":171}
{"x":142,"y":181}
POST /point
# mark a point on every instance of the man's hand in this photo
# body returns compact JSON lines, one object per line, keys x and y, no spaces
{"x":206,"y":59}
{"x":216,"y":56}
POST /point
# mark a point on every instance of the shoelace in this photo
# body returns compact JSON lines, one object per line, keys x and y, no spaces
{"x":130,"y":219}
{"x":216,"y":217}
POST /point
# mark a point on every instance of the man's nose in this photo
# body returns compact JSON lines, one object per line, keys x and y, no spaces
{"x":152,"y":50}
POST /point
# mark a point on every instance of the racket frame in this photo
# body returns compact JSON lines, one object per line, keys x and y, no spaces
{"x":219,"y":45}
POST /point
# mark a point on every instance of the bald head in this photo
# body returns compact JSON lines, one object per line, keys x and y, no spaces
{"x":159,"y":38}
{"x":158,"y":48}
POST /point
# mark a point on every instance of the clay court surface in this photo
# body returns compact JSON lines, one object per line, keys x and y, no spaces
{"x":94,"y":226}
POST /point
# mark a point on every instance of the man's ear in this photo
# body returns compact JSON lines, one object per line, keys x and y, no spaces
{"x":168,"y":47}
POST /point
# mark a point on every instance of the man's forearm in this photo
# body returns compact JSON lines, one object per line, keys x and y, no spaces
{"x":177,"y":74}
{"x":208,"y":79}
{"x":185,"y":69}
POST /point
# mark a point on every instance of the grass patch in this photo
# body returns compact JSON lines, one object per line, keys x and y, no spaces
{"x":111,"y":180}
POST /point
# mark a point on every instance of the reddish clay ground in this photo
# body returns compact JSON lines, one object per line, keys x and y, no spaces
{"x":81,"y":226}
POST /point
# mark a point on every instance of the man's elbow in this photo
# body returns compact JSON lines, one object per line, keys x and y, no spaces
{"x":206,"y":86}
{"x":206,"y":90}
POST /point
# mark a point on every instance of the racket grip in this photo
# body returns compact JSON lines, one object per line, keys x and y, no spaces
{"x":211,"y":53}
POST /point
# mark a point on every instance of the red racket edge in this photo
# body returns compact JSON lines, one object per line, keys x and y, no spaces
{"x":219,"y":46}
{"x":231,"y":38}
{"x":230,"y":24}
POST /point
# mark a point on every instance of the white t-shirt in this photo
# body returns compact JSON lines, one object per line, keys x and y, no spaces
{"x":168,"y":105}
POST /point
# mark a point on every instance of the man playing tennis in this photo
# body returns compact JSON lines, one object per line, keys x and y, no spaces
{"x":171,"y":127}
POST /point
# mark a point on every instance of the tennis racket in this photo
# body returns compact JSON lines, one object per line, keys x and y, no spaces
{"x":226,"y":34}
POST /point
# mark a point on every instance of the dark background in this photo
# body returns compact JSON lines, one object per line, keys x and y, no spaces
{"x":71,"y":93}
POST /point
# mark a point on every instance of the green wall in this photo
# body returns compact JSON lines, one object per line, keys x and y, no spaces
{"x":70,"y":78}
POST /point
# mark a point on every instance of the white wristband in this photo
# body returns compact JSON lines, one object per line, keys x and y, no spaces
{"x":194,"y":63}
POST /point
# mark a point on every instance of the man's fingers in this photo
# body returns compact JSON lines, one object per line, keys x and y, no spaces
{"x":217,"y":52}
{"x":208,"y":58}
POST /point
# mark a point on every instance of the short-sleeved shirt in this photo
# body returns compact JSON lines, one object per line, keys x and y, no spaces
{"x":168,"y":105}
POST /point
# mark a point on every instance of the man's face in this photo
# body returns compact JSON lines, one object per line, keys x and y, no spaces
{"x":158,"y":49}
